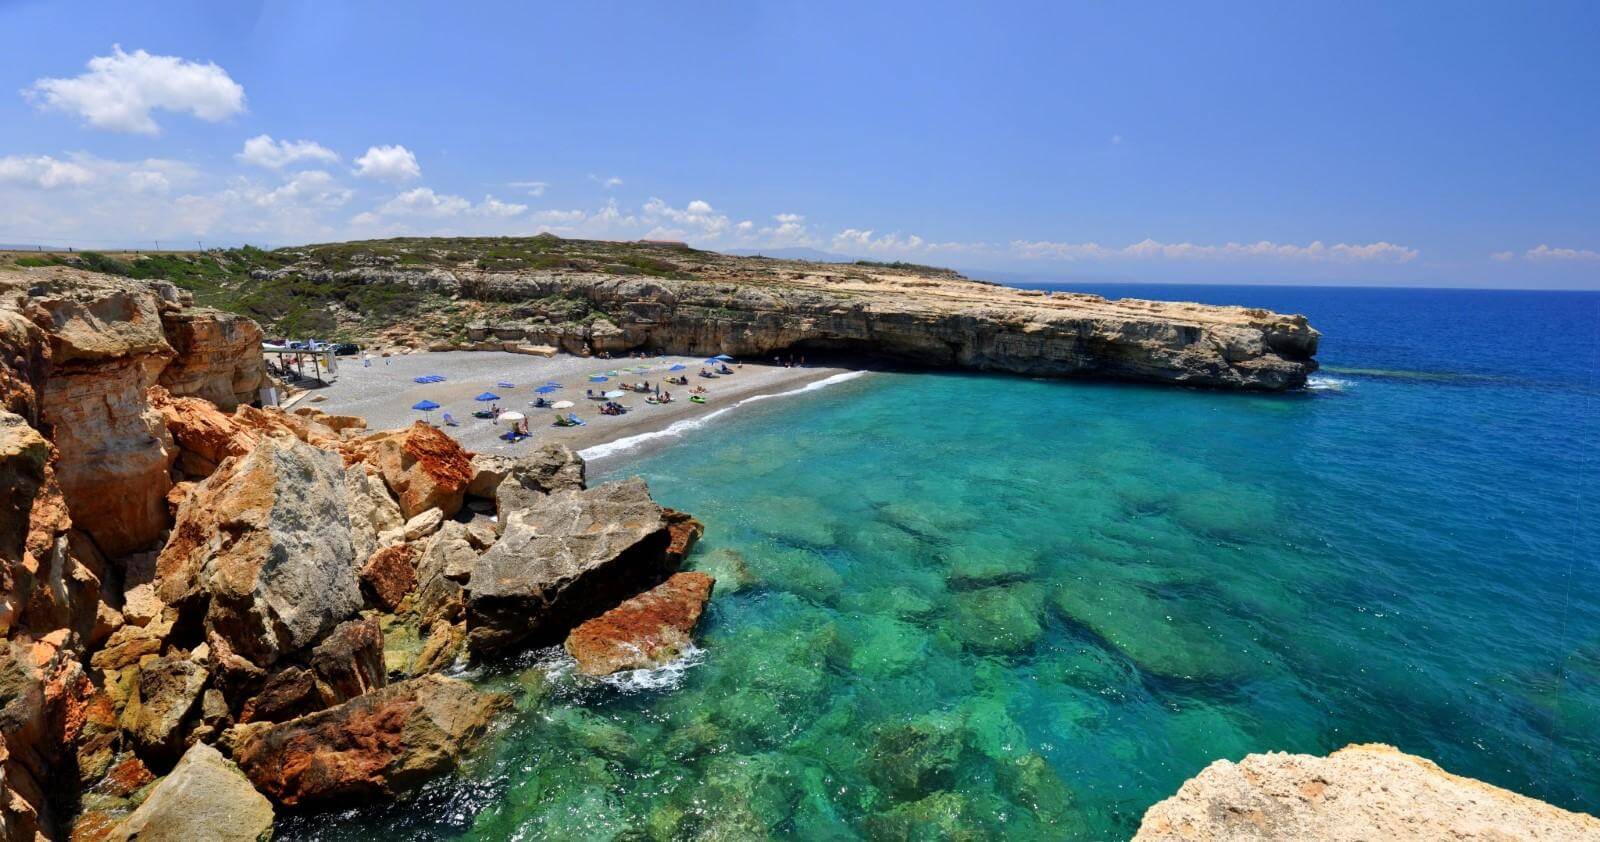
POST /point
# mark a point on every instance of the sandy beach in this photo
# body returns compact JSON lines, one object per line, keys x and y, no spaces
{"x":384,"y":394}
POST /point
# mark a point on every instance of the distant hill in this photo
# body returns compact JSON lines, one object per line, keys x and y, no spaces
{"x":795,"y":253}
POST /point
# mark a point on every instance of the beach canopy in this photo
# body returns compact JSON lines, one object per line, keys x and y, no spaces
{"x":614,"y":393}
{"x":512,"y":416}
{"x":561,"y":405}
{"x":424,"y":406}
{"x":552,"y":383}
{"x":678,"y":367}
{"x":724,"y":357}
{"x":545,"y":390}
{"x":504,"y":385}
{"x":599,"y":378}
{"x":487,"y":396}
{"x":428,"y":378}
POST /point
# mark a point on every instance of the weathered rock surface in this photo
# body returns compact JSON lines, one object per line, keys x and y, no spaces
{"x":425,"y":468}
{"x":648,"y":630}
{"x":375,"y":520}
{"x":168,"y":690}
{"x":262,"y":549}
{"x":570,"y":557}
{"x":205,"y":797}
{"x":447,"y":559}
{"x":375,"y":745}
{"x":551,"y":468}
{"x":1359,"y":792}
{"x":217,"y":356}
{"x":389,"y":574}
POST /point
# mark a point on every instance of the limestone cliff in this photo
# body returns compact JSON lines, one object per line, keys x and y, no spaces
{"x":1358,"y":792}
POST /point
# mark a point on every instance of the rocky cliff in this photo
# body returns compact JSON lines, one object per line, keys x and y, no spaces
{"x":207,"y":613}
{"x":704,"y":303}
{"x":1358,"y":792}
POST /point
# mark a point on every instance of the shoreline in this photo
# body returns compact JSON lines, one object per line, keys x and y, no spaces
{"x":384,"y":394}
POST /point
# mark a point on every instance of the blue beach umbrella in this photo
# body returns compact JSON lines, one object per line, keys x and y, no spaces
{"x":504,"y":385}
{"x":487,"y":396}
{"x":545,"y":390}
{"x":724,"y":357}
{"x":599,"y":378}
{"x":427,"y":408}
{"x":678,"y":367}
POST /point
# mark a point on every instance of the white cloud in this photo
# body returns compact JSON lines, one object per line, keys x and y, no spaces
{"x":1544,"y":253}
{"x":120,"y":90}
{"x":532,"y":188}
{"x":695,"y":221}
{"x":388,"y":163}
{"x":423,"y":202}
{"x":1316,"y":251}
{"x":43,"y":172}
{"x":607,"y":183}
{"x":1116,"y":140}
{"x":263,"y":151}
{"x":1503,"y":256}
{"x":855,"y":241}
{"x":490,"y":206}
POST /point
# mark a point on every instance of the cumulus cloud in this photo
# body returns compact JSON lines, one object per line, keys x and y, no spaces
{"x":43,"y":172}
{"x":423,"y":202}
{"x":263,"y":151}
{"x":1316,"y":251}
{"x":696,"y":220}
{"x":865,"y":241}
{"x":1544,"y":253}
{"x":388,"y":163}
{"x":1503,"y":256}
{"x":532,"y":188}
{"x":120,"y":90}
{"x":607,"y":183}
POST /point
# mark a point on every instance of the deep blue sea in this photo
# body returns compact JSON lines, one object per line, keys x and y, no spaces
{"x":953,"y":603}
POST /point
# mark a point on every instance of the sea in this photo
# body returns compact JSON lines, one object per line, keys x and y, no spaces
{"x":955,"y":605}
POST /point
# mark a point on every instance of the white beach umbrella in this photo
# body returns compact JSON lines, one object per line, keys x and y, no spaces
{"x":513,"y":416}
{"x":615,"y":393}
{"x":561,"y":405}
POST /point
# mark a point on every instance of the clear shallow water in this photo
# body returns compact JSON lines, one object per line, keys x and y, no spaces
{"x":1006,"y":606}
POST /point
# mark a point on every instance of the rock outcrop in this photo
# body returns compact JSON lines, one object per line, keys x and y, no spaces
{"x":378,"y":744}
{"x":572,"y":556}
{"x":648,"y":630}
{"x":205,"y":797}
{"x":425,"y":468}
{"x":217,"y":356}
{"x":1358,"y":792}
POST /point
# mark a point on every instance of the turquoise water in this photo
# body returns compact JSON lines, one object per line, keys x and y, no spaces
{"x":954,"y":603}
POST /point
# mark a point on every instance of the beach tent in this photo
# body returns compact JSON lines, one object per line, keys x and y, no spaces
{"x":425,"y":407}
{"x":487,"y":396}
{"x":678,"y":367}
{"x":545,"y":390}
{"x":561,"y":405}
{"x":615,"y":393}
{"x":599,"y":378}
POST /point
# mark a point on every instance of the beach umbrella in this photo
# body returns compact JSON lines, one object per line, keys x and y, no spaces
{"x":513,"y":416}
{"x":599,"y":378}
{"x":487,"y":396}
{"x":504,"y":385}
{"x":545,"y":390}
{"x":552,"y":383}
{"x":613,"y":373}
{"x":678,"y":367}
{"x":614,"y":393}
{"x":723,"y":357}
{"x":427,"y":408}
{"x":561,"y":405}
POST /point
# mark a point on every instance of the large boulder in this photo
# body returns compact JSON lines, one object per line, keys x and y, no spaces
{"x":572,"y":556}
{"x":447,"y":560}
{"x":167,"y":691}
{"x":375,"y":745}
{"x":375,"y":520}
{"x":425,"y":468}
{"x":218,"y":356}
{"x":389,"y":575}
{"x":649,"y":630}
{"x":205,"y":797}
{"x":262,"y":550}
{"x":551,"y":468}
{"x":1359,"y":792}
{"x":205,"y":435}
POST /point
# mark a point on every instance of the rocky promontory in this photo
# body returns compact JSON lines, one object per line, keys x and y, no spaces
{"x":212,"y":610}
{"x":1359,"y":792}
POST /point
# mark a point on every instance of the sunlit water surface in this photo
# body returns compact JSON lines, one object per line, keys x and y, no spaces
{"x":956,"y":603}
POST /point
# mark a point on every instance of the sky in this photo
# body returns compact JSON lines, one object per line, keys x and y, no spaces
{"x":1419,"y":144}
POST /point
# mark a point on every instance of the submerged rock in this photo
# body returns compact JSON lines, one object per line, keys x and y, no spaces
{"x":1156,"y":634}
{"x":571,"y":557}
{"x":375,"y":745}
{"x":649,"y":630}
{"x":1003,"y":619}
{"x":205,"y":797}
{"x":1359,"y":792}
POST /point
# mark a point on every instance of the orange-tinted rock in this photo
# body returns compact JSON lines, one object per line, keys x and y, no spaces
{"x":685,"y":531}
{"x":218,"y":356}
{"x":425,"y":468}
{"x":646,"y":631}
{"x":204,"y":434}
{"x":349,"y":661}
{"x":390,"y":574}
{"x":289,"y":693}
{"x":376,"y":745}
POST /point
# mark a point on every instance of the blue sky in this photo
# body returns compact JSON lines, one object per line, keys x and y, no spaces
{"x":1431,"y":144}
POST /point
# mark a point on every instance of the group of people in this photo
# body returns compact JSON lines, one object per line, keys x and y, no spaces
{"x":791,"y":362}
{"x":612,"y":408}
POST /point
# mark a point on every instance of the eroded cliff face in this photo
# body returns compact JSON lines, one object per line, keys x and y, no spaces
{"x":1359,"y":792}
{"x":753,"y":308}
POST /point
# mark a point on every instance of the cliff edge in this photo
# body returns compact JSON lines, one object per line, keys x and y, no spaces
{"x":1359,"y":792}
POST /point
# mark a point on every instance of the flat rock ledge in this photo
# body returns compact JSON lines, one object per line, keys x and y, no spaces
{"x":1361,"y":792}
{"x":649,"y":630}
